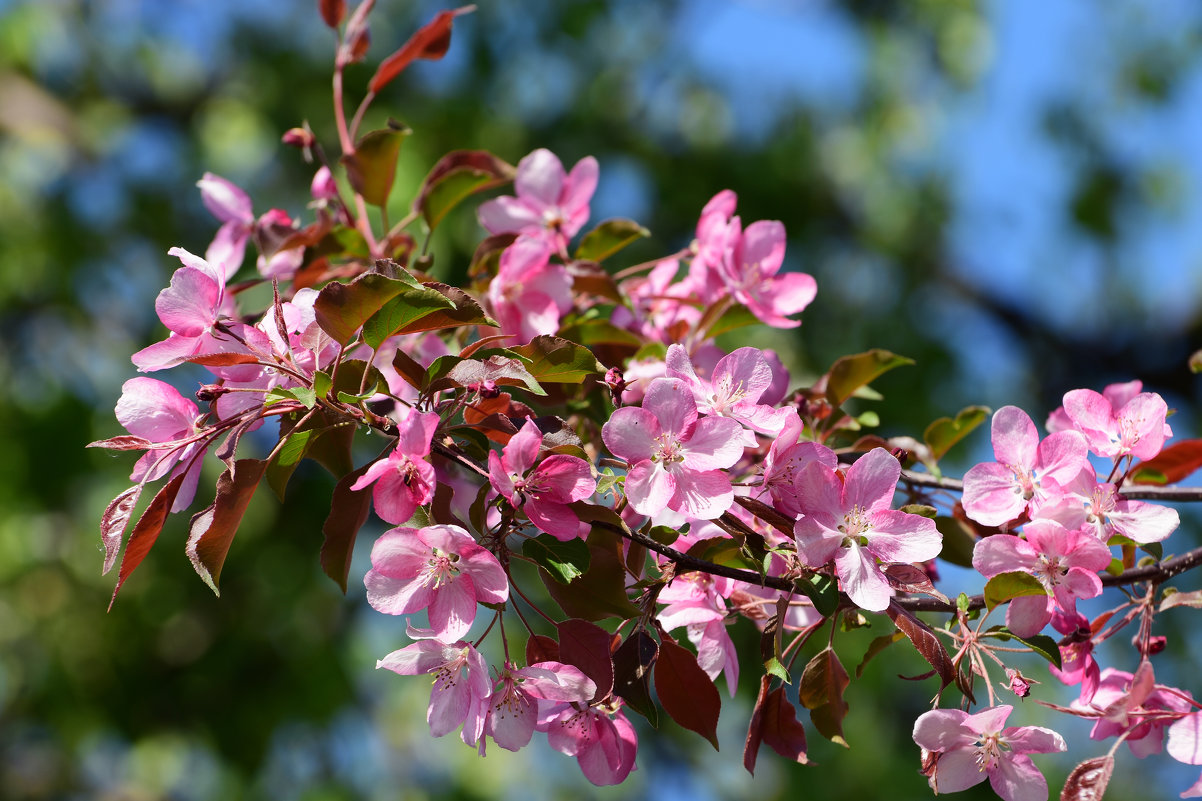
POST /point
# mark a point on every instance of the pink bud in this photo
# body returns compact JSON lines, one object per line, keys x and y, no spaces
{"x":299,"y":137}
{"x":323,"y":186}
{"x":1020,"y":685}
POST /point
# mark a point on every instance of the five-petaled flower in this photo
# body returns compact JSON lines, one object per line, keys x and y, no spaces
{"x":961,"y":750}
{"x":404,"y":479}
{"x":461,"y":687}
{"x":438,"y":567}
{"x":542,"y":491}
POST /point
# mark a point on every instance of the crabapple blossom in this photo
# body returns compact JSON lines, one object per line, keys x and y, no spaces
{"x":437,"y":567}
{"x":404,"y":479}
{"x":549,"y":205}
{"x":961,"y":750}
{"x":461,"y":687}
{"x":1136,"y":428}
{"x":733,"y":390}
{"x":847,"y":519}
{"x":1102,"y":509}
{"x":232,"y":206}
{"x":676,"y":460}
{"x":1066,"y":562}
{"x":1131,"y":703}
{"x":155,"y":411}
{"x":698,"y":602}
{"x":752,"y":274}
{"x":1077,"y":663}
{"x":529,"y":294}
{"x":1117,"y":394}
{"x":788,"y":456}
{"x":598,"y":735}
{"x":998,"y":492}
{"x":542,"y":491}
{"x":513,"y":706}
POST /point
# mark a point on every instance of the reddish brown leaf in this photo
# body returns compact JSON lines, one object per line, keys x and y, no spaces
{"x":223,"y":359}
{"x":586,"y":645}
{"x":1087,"y":781}
{"x":768,"y":514}
{"x":125,"y":442}
{"x":409,"y":369}
{"x":541,"y":649}
{"x":332,"y":11}
{"x":113,"y":522}
{"x":909,"y":578}
{"x":212,"y":530}
{"x":146,"y":531}
{"x":781,"y":729}
{"x":925,"y":641}
{"x":821,"y":691}
{"x":755,"y":729}
{"x":1175,"y":463}
{"x":348,"y":512}
{"x":456,"y":176}
{"x":430,"y":42}
{"x":633,"y":662}
{"x":685,"y":690}
{"x":600,"y":592}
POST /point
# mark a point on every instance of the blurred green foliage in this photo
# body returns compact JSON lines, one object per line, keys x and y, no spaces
{"x":109,"y":111}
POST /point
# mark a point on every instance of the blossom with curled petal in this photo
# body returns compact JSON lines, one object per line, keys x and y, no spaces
{"x":847,"y":519}
{"x":513,"y":707}
{"x":961,"y":750}
{"x":438,"y":568}
{"x":155,"y":411}
{"x":598,"y":735}
{"x":676,"y":460}
{"x":1136,"y":428}
{"x":461,"y":687}
{"x":404,"y":479}
{"x":733,"y":389}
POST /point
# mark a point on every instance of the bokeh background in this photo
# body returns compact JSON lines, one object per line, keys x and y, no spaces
{"x":1009,"y":192}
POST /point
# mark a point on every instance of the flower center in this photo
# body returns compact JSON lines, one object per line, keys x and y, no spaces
{"x":667,"y":448}
{"x":440,"y":569}
{"x":989,"y":749}
{"x":855,"y":527}
{"x":1050,"y":570}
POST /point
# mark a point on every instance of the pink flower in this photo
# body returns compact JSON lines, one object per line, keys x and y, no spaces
{"x":438,"y":567}
{"x":599,"y":736}
{"x":1185,"y":745}
{"x":698,"y":602}
{"x":965,"y":748}
{"x":848,"y":520}
{"x":1100,"y":508}
{"x":998,"y":492}
{"x":513,"y":708}
{"x":1065,"y":562}
{"x":676,"y":460}
{"x":788,"y":456}
{"x":752,"y":274}
{"x":461,"y":686}
{"x":229,"y":204}
{"x":404,"y":480}
{"x":1135,"y":703}
{"x":733,"y":390}
{"x":1135,"y":428}
{"x":155,"y":411}
{"x":529,"y":294}
{"x":1117,"y":394}
{"x":1077,"y":665}
{"x":544,"y":491}
{"x":549,"y":204}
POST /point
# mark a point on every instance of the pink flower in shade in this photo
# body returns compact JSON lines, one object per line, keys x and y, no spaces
{"x":1135,"y":703}
{"x":404,"y":479}
{"x":272,"y":231}
{"x":461,"y":686}
{"x":1100,"y":508}
{"x":549,"y":204}
{"x":752,"y":274}
{"x":998,"y":492}
{"x":513,"y":708}
{"x":698,"y":602}
{"x":1077,"y":665}
{"x":1185,"y":745}
{"x":599,"y":736}
{"x":155,"y":411}
{"x":733,"y":389}
{"x":439,"y":568}
{"x":541,"y":491}
{"x":1136,"y":428}
{"x":848,"y":520}
{"x":529,"y":293}
{"x":788,"y":456}
{"x":229,"y":204}
{"x":1066,"y":562}
{"x":676,"y":460}
{"x":960,"y":750}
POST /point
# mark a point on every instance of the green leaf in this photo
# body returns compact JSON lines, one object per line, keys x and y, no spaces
{"x":608,"y":238}
{"x":1043,"y":645}
{"x":403,"y":310}
{"x":664,"y":535}
{"x":852,"y":372}
{"x":558,"y":361}
{"x":1007,"y":586}
{"x":304,"y":395}
{"x":773,"y":667}
{"x":958,"y":541}
{"x":565,"y":561}
{"x":372,"y":167}
{"x":341,"y":309}
{"x":732,"y":319}
{"x":455,"y":177}
{"x":945,"y":432}
{"x":598,"y":331}
{"x":822,"y":592}
{"x":322,"y":384}
{"x":920,"y":509}
{"x":287,"y":458}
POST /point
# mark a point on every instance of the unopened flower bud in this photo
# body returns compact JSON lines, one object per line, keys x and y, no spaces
{"x":210,"y":392}
{"x":1155,"y":644}
{"x":1020,"y":685}
{"x":299,"y":137}
{"x":323,"y":186}
{"x":616,"y":383}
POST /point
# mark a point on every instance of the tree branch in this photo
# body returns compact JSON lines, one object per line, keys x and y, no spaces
{"x":1137,"y":492}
